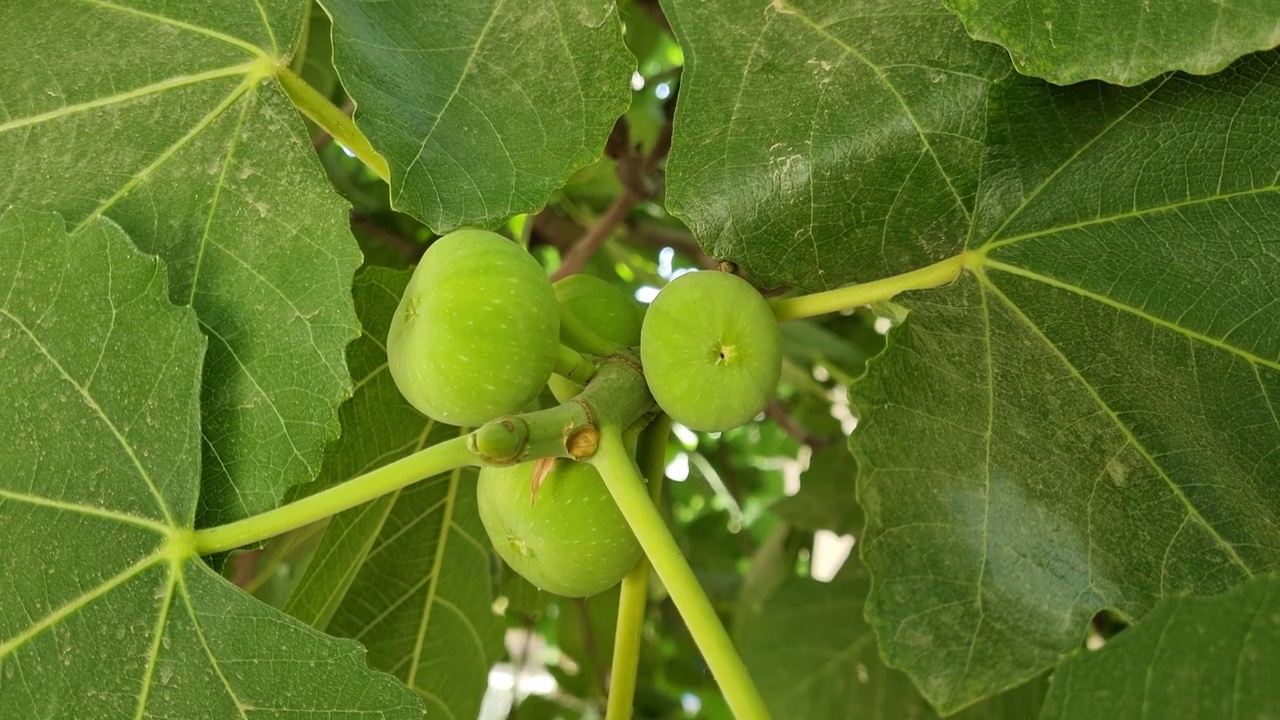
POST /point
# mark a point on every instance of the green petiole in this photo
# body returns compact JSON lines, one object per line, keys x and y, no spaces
{"x":335,"y":122}
{"x":405,"y":471}
{"x":627,"y":487}
{"x":850,"y":296}
{"x":652,"y":454}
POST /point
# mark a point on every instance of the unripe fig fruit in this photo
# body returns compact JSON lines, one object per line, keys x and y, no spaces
{"x":567,"y":537}
{"x":711,"y":351}
{"x":476,"y":333}
{"x":596,"y":317}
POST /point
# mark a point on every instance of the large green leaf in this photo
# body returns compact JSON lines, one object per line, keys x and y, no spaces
{"x":407,"y":574}
{"x":1189,"y":659}
{"x":482,"y":109}
{"x":1121,"y":41}
{"x":1088,"y":418}
{"x":818,"y":143}
{"x":161,"y":116}
{"x":105,"y":612}
{"x":814,"y":657}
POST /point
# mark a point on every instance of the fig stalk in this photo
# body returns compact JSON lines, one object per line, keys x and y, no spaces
{"x":627,"y":487}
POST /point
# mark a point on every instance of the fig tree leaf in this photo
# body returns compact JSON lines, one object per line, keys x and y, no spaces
{"x":408,"y":574}
{"x":481,"y":109}
{"x":1126,"y":42}
{"x":105,"y":611}
{"x":163,"y":117}
{"x":813,"y":656}
{"x":1189,"y":658}
{"x":1088,"y":417}
{"x":820,"y":143}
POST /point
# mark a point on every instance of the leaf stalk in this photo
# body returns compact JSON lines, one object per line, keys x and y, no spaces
{"x":330,"y":118}
{"x":627,"y":487}
{"x":652,"y":454}
{"x":851,"y":296}
{"x":372,"y":485}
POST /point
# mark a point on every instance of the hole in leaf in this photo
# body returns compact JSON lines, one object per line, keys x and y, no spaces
{"x":1104,"y":625}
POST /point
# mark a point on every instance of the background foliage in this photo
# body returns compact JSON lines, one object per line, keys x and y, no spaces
{"x":1057,"y":474}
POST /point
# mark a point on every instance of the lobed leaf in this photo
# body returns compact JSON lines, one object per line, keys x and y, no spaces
{"x":163,"y":117}
{"x":1126,"y":42}
{"x":105,"y":611}
{"x":1087,"y":419}
{"x":482,"y":110}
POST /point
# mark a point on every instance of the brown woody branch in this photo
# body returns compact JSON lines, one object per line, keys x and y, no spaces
{"x":634,"y":173}
{"x":778,"y":413}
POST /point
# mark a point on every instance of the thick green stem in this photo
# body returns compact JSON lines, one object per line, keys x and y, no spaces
{"x":405,"y":471}
{"x":931,"y":276}
{"x":627,"y":487}
{"x":616,"y":394}
{"x":335,"y":122}
{"x":652,"y":455}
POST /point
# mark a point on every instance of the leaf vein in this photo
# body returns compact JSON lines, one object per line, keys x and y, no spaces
{"x":1125,"y":430}
{"x":1136,"y":312}
{"x":66,"y":610}
{"x":101,"y":413}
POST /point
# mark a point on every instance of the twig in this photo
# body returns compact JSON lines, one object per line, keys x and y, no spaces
{"x":581,"y":252}
{"x":633,"y":173}
{"x":655,"y":235}
{"x":778,"y":413}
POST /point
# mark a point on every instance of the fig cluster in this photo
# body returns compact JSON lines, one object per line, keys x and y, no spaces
{"x":476,"y":337}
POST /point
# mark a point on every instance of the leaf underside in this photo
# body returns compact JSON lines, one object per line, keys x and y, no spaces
{"x":1190,"y":658}
{"x":1126,"y":42}
{"x":1088,"y":418}
{"x":814,"y":657}
{"x":164,"y":121}
{"x":105,"y":611}
{"x":818,"y":143}
{"x":481,"y":109}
